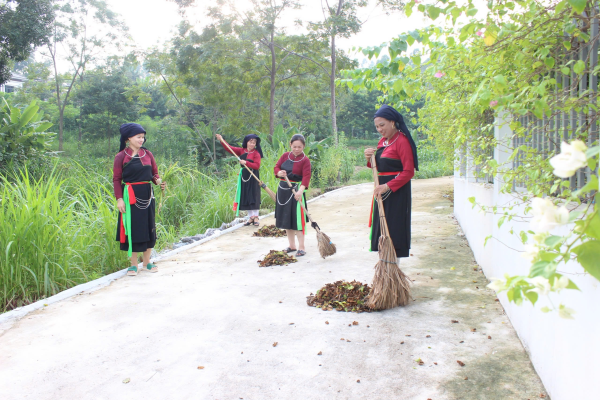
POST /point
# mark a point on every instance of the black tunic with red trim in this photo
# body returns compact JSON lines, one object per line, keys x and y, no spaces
{"x":137,"y":169}
{"x":396,"y":164}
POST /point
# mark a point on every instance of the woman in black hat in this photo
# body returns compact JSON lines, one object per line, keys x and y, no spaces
{"x":248,"y":188}
{"x":134,"y":170}
{"x":396,"y":158}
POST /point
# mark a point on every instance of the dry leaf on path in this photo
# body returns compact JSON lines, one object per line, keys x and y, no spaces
{"x":126,"y":380}
{"x":201,"y":367}
{"x":275,"y":344}
{"x":462,"y":364}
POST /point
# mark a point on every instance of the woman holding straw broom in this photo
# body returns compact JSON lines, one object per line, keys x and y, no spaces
{"x":134,"y":170}
{"x":248,"y":189}
{"x":289,"y":215}
{"x":396,"y":160}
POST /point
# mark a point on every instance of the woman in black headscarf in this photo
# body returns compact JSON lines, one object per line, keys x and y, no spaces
{"x":248,"y":188}
{"x":134,"y":170}
{"x":396,"y":158}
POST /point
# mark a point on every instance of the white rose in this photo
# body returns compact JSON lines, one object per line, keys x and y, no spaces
{"x":546,"y":215}
{"x":571,"y":158}
{"x":542,"y":285}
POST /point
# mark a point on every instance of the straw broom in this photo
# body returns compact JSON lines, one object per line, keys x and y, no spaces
{"x":262,"y":184}
{"x":390,"y":285}
{"x":326,"y":247}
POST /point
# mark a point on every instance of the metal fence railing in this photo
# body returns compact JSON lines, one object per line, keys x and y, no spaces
{"x":544,"y":135}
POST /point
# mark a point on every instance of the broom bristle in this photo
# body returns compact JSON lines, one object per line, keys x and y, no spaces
{"x":390,"y":285}
{"x":326,"y":247}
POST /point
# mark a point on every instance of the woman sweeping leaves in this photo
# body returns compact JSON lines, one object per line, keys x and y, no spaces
{"x":134,"y":171}
{"x":248,"y":188}
{"x":294,"y":165}
{"x":396,"y":158}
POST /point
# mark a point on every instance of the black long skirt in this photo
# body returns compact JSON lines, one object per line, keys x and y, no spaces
{"x":397,"y":207}
{"x":288,"y":213}
{"x":250,"y":191}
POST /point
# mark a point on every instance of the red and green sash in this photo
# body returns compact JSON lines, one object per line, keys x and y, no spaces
{"x":129,"y":199}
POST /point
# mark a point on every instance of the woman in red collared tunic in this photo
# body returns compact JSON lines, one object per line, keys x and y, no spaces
{"x":396,"y":158}
{"x":134,"y":171}
{"x":248,"y":190}
{"x":288,"y":213}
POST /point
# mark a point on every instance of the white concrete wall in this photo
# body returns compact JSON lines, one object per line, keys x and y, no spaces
{"x":565,"y":353}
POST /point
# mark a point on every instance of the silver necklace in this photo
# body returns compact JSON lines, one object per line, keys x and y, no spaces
{"x":389,"y":144}
{"x":295,"y":157}
{"x":137,"y":155}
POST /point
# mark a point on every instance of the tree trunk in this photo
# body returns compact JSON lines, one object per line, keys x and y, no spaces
{"x":61,"y":112}
{"x":60,"y":109}
{"x":332,"y":88}
{"x":272,"y":99}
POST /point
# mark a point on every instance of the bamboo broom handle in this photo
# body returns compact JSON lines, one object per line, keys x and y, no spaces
{"x":302,"y":205}
{"x":384,"y":228}
{"x":239,"y":159}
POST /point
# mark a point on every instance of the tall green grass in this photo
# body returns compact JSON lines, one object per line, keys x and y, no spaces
{"x":52,"y":239}
{"x":58,"y":227}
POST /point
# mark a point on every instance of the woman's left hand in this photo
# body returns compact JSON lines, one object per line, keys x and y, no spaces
{"x":298,"y":195}
{"x":243,"y":163}
{"x":163,"y":185}
{"x":381,"y":189}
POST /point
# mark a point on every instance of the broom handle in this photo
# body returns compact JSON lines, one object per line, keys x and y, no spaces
{"x":302,"y":205}
{"x":239,"y":159}
{"x":384,"y":226}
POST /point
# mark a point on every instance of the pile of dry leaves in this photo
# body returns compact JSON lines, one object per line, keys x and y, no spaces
{"x":270,"y":231}
{"x":341,"y":296}
{"x":276,"y":257}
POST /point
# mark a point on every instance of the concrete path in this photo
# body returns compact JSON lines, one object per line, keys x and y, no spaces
{"x":213,"y":307}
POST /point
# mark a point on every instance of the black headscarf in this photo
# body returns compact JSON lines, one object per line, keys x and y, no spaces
{"x":253,"y":136}
{"x":129,"y":130}
{"x":391,"y":114}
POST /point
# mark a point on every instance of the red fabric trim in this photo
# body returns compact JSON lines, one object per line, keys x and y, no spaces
{"x":235,"y":206}
{"x":388,"y":173}
{"x":122,"y":236}
{"x":371,"y":213}
{"x":303,"y":218}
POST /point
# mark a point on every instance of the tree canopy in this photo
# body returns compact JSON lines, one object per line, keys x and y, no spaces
{"x":24,"y":25}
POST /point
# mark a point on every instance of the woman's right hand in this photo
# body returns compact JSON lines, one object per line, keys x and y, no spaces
{"x":369,"y":152}
{"x":219,"y":137}
{"x":282,"y":174}
{"x":121,"y":206}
